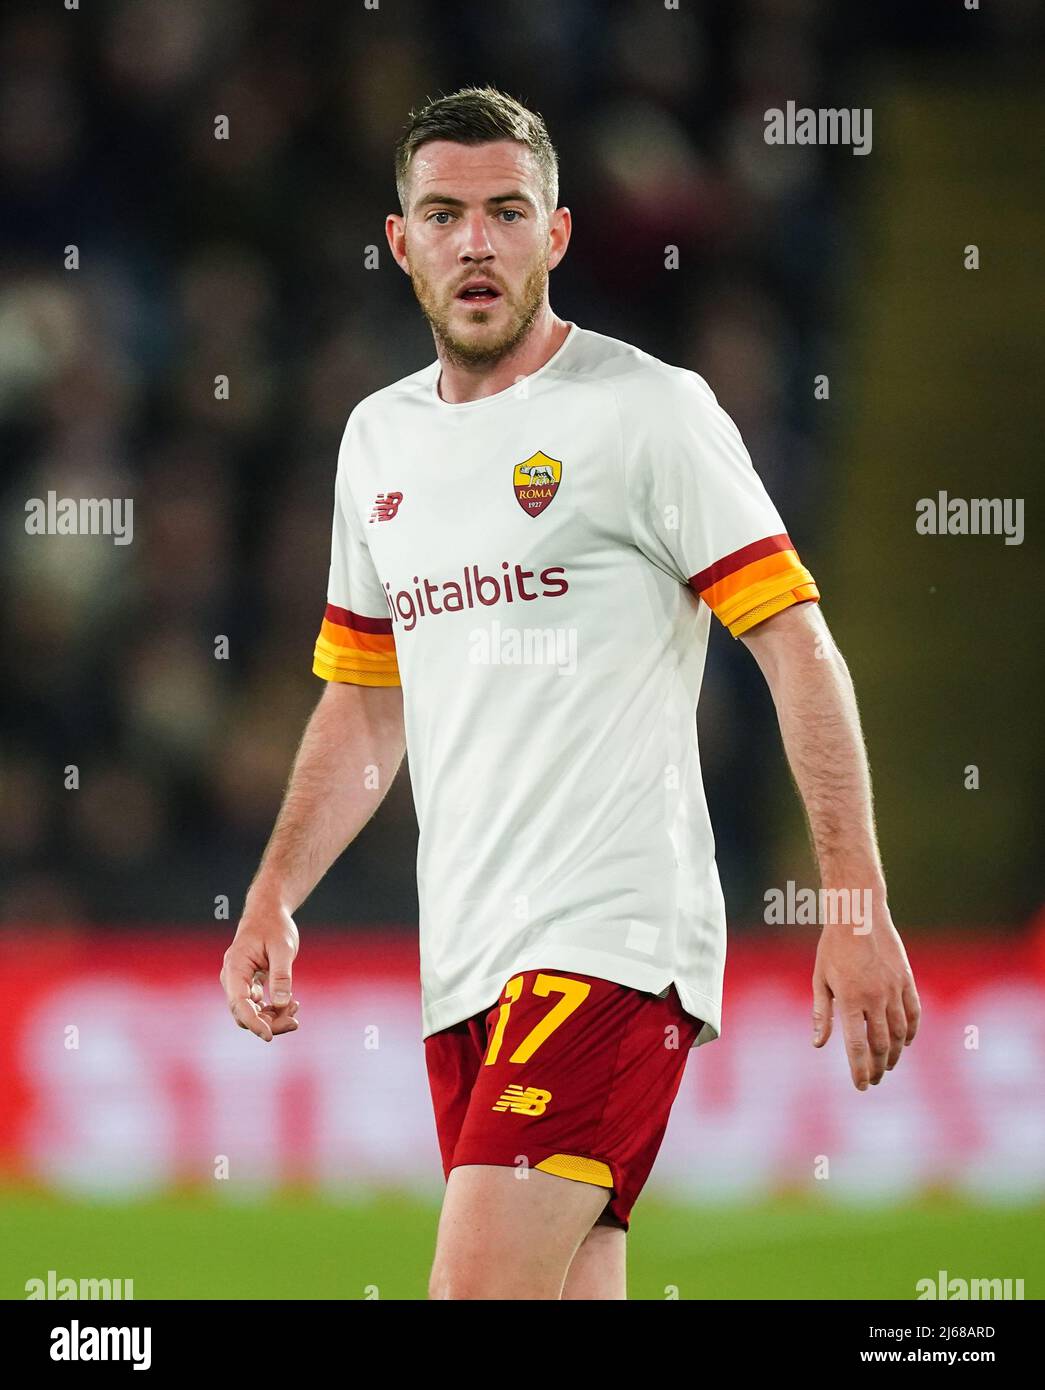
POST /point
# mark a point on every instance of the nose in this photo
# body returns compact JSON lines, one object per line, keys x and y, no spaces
{"x":475,"y":238}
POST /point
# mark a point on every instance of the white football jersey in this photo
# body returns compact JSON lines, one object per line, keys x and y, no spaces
{"x":538,"y":570}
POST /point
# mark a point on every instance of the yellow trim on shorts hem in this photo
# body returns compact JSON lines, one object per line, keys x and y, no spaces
{"x":591,"y":1170}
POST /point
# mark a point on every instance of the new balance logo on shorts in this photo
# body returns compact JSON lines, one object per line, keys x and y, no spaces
{"x":523,"y":1100}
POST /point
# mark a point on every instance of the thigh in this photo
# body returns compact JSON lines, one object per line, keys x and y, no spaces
{"x":508,"y":1233}
{"x":599,"y":1268}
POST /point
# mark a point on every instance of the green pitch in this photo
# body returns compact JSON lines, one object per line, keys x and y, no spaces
{"x":302,"y":1247}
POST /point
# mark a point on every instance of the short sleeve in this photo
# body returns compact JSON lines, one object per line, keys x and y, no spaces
{"x":700,"y":511}
{"x":355,"y":642}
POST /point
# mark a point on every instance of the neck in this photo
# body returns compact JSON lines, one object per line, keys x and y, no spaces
{"x":459,"y":383}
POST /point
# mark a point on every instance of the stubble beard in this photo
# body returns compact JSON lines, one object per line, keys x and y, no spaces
{"x":463,"y":352}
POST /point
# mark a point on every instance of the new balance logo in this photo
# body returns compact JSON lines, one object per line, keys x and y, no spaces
{"x":386,"y":504}
{"x":520,"y":1100}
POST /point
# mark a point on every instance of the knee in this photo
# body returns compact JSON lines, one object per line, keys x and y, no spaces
{"x":456,"y":1282}
{"x":456,"y":1275}
{"x":479,"y":1278}
{"x":440,"y":1283}
{"x":446,"y":1282}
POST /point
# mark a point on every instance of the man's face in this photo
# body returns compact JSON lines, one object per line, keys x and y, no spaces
{"x":460,"y":226}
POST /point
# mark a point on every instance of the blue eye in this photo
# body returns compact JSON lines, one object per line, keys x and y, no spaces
{"x":514,"y":213}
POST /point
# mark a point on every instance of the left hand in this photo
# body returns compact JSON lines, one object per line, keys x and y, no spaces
{"x":870,"y":978}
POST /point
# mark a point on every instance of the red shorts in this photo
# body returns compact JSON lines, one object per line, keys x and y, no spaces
{"x":566,"y":1073}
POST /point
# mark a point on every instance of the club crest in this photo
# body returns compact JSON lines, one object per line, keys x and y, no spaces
{"x":536,"y":482}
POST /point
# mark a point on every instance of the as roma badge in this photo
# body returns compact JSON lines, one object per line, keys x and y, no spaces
{"x":536,"y":482}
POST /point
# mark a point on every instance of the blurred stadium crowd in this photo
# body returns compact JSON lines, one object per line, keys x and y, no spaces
{"x":245,"y":257}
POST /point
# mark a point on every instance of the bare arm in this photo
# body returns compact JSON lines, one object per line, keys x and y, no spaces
{"x":350,"y":751}
{"x":861,"y":965}
{"x":349,"y":754}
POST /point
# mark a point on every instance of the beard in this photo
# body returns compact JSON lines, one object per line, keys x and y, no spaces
{"x":485,"y":351}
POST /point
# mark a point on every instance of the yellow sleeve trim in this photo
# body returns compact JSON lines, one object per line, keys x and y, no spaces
{"x":804,"y":593}
{"x":355,"y":671}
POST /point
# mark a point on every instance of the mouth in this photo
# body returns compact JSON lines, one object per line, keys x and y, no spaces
{"x":478,"y":293}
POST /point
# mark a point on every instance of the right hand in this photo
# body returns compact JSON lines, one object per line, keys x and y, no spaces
{"x":262,"y":951}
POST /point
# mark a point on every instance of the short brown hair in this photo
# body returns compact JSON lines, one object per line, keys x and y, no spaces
{"x":477,"y":116}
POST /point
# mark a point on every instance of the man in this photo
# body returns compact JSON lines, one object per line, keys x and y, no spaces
{"x":530,"y":536}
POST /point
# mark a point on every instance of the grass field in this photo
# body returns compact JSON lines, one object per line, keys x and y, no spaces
{"x":303,"y":1247}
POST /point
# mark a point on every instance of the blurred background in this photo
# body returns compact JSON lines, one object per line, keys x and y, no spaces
{"x":196,"y":257}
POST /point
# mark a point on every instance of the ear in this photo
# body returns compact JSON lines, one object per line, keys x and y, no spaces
{"x":395,"y":231}
{"x":559,"y":231}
